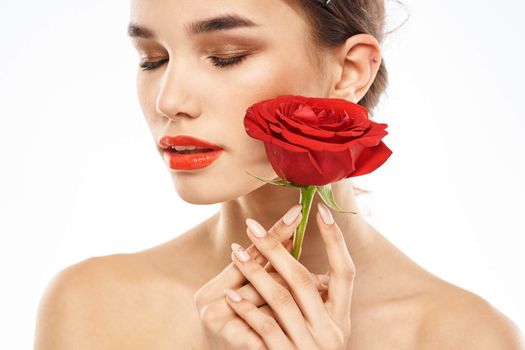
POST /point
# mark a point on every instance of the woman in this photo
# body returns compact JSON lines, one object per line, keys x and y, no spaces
{"x":198,"y":80}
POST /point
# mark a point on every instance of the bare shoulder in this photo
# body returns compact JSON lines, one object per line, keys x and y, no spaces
{"x":114,"y":301}
{"x":459,"y":319}
{"x":435,"y":314}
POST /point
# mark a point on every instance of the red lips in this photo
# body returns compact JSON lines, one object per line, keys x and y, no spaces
{"x":167,"y":141}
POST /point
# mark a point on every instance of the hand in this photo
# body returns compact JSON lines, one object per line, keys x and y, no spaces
{"x":325,"y":324}
{"x":222,"y":327}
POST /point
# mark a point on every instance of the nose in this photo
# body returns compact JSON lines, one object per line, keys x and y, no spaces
{"x":177,"y":92}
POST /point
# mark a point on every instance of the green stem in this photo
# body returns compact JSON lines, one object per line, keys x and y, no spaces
{"x":307,"y":196}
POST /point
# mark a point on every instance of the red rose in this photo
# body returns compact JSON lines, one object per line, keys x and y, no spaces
{"x":317,"y":141}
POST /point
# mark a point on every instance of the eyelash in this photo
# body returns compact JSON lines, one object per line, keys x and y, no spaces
{"x":217,"y":61}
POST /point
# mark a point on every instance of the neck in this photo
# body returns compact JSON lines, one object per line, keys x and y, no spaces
{"x":269,"y":203}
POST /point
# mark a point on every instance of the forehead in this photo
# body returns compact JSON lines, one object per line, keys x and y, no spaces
{"x":173,"y":19}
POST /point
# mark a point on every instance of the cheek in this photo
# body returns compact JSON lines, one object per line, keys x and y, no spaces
{"x":252,"y":158}
{"x":146,"y":95}
{"x":143,"y":95}
{"x":263,"y":78}
{"x":275,"y":75}
{"x":253,"y":151}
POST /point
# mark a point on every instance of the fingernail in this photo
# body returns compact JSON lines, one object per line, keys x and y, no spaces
{"x":325,"y":213}
{"x":292,"y":214}
{"x":239,"y":251}
{"x":232,"y":295}
{"x":256,"y":228}
{"x":324,"y":278}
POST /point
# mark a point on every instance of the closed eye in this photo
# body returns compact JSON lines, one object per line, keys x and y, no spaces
{"x":151,"y":65}
{"x":217,"y":61}
{"x":229,"y":61}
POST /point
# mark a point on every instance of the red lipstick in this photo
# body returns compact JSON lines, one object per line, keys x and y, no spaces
{"x":184,"y":152}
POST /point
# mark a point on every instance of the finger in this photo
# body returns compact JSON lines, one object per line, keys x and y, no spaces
{"x":342,"y":268}
{"x":250,"y":293}
{"x":231,"y":277}
{"x":296,"y":275}
{"x":222,"y":312}
{"x":279,"y":298}
{"x":237,"y":334}
{"x":320,"y":280}
{"x":264,"y":325}
{"x":288,"y":245}
{"x":281,"y":231}
{"x":218,"y":312}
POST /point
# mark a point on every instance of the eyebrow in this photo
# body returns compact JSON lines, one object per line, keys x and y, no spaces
{"x":207,"y":25}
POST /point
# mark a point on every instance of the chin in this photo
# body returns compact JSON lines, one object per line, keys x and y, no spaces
{"x":215,"y":195}
{"x":199,"y":190}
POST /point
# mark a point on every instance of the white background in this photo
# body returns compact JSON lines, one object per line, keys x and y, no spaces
{"x":81,"y":176}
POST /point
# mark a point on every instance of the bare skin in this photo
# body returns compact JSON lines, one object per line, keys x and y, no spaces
{"x":145,"y":300}
{"x":389,"y":294}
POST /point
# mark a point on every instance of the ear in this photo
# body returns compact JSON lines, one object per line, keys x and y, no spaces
{"x":356,"y":68}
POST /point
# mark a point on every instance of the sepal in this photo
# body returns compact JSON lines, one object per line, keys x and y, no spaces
{"x":325,"y":192}
{"x":279,"y":182}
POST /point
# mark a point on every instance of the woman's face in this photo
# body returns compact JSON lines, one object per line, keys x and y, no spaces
{"x":189,"y":93}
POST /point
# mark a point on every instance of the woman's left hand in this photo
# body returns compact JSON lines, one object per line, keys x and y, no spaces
{"x":325,"y":324}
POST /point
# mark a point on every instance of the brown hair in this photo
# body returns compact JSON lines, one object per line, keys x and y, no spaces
{"x":331,"y":24}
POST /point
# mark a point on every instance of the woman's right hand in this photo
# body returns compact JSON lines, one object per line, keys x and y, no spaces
{"x":215,"y":313}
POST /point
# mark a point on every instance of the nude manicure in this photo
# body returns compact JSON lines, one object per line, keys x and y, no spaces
{"x":292,"y":214}
{"x":256,"y":228}
{"x":325,"y":213}
{"x":232,"y":295}
{"x":239,"y":251}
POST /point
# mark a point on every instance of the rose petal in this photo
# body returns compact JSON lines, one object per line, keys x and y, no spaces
{"x":371,"y":159}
